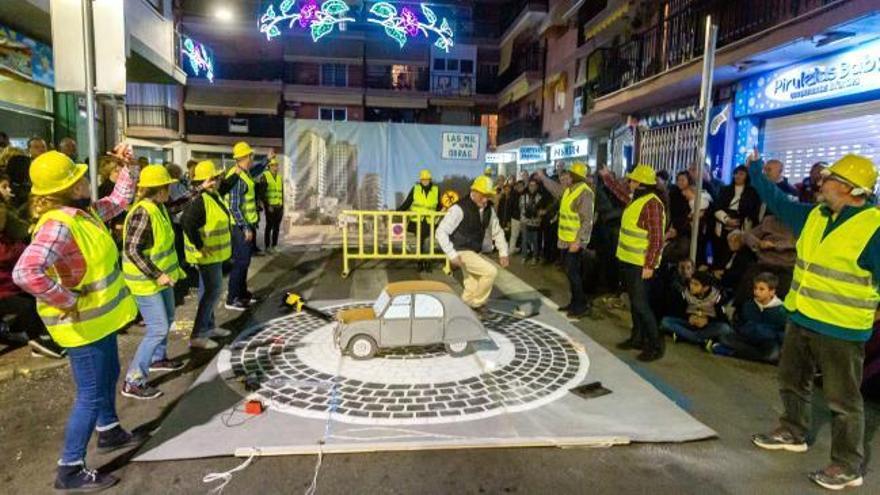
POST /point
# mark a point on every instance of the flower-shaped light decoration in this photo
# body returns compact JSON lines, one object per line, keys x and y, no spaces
{"x":308,"y":14}
{"x":199,"y":58}
{"x":406,"y":24}
{"x":320,"y":21}
{"x":409,"y":21}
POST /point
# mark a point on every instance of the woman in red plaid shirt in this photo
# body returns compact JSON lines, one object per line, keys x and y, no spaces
{"x":72,"y":268}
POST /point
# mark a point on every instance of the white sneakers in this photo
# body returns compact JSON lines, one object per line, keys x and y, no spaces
{"x":220,"y":333}
{"x":203,"y":343}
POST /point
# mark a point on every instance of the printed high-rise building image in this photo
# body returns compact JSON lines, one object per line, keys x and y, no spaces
{"x":311,"y":164}
{"x":370,"y":193}
{"x":341,"y":173}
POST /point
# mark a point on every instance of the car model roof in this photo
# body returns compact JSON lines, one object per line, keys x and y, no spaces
{"x":410,"y":286}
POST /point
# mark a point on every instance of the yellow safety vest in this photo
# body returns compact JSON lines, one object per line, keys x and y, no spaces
{"x":216,"y":238}
{"x":569,"y":219}
{"x":274,"y":188}
{"x":633,"y":242}
{"x":104,"y":303}
{"x":828,"y":284}
{"x":249,"y":205}
{"x":422,"y":202}
{"x":162,"y":253}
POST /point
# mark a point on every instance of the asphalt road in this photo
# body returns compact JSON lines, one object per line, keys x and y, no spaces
{"x":734,"y":398}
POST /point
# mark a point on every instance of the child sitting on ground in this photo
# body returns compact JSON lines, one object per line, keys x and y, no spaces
{"x":760,"y":324}
{"x":704,"y":322}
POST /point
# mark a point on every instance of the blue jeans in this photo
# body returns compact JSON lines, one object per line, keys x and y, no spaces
{"x":95,"y":369}
{"x":685,"y":331}
{"x":530,"y":243}
{"x":210,"y":285}
{"x":241,"y":261}
{"x":158,"y":313}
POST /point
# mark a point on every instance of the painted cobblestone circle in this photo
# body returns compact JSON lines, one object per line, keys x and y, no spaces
{"x":527,"y":365}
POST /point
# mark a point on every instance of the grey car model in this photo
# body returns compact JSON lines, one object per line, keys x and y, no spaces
{"x":413,"y":313}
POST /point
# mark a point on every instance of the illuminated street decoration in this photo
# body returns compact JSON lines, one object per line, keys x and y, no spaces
{"x":319,"y":20}
{"x":199,"y":57}
{"x":405,"y":24}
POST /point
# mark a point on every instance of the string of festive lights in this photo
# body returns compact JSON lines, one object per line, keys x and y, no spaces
{"x":199,"y":58}
{"x":319,"y":20}
{"x":406,"y":24}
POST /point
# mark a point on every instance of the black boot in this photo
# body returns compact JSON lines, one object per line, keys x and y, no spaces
{"x":78,"y":479}
{"x":653,"y":352}
{"x":115,"y":439}
{"x":629,"y":344}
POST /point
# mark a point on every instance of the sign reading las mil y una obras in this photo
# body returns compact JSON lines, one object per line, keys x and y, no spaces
{"x":460,"y":146}
{"x":847,"y":73}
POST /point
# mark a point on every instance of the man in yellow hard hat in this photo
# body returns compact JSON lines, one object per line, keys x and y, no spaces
{"x":575,"y":227}
{"x":271,"y":187}
{"x":242,"y":204}
{"x":832,"y":303}
{"x":423,"y":197}
{"x":639,"y":251}
{"x":460,"y":235}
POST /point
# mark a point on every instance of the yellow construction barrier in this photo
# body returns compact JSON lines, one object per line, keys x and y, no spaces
{"x":384,"y":235}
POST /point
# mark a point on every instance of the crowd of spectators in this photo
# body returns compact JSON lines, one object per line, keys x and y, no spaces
{"x":729,"y":301}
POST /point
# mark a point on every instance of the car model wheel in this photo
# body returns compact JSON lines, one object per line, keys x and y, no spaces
{"x":460,"y":348}
{"x":362,"y":347}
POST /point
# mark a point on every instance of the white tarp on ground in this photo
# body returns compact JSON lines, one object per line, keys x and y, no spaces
{"x":515,"y":391}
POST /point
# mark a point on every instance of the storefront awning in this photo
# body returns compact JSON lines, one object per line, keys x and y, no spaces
{"x":605,"y":22}
{"x":229,"y":100}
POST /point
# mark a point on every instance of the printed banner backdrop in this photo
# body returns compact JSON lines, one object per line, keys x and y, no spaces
{"x":338,"y":166}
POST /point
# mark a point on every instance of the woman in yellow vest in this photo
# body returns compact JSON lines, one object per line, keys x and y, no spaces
{"x":208,"y":243}
{"x":151,"y":268}
{"x":639,"y":249}
{"x":71,"y":267}
{"x":273,"y":205}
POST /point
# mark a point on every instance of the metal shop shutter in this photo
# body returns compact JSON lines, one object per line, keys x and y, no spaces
{"x":824,"y":135}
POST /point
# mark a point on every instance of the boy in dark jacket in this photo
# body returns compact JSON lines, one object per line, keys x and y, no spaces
{"x":704,"y":322}
{"x":760,"y":325}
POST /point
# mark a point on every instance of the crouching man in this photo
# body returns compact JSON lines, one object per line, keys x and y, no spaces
{"x":460,"y":235}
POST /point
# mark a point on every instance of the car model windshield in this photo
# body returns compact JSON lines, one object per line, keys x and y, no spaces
{"x":380,"y":303}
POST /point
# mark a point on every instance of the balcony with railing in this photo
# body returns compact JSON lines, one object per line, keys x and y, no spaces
{"x":397,"y":78}
{"x":679,"y":37}
{"x":530,"y":60}
{"x":526,"y":128}
{"x":153,"y":116}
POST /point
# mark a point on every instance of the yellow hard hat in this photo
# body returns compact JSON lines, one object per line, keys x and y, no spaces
{"x":155,"y":176}
{"x":205,"y":170}
{"x":241,"y":150}
{"x":483,"y":185}
{"x":425,"y":174}
{"x":53,"y":172}
{"x":579,"y":169}
{"x":643,"y":174}
{"x":488,"y":171}
{"x":857,"y":170}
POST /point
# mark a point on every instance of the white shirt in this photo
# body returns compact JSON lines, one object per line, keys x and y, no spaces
{"x":451,"y":222}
